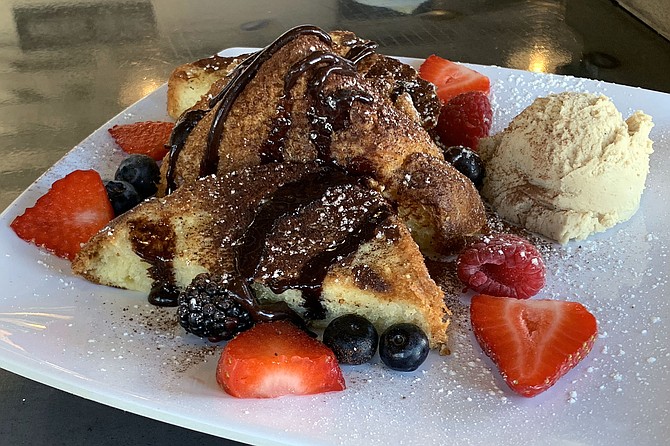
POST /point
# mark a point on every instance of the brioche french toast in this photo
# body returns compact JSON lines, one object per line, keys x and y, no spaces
{"x":330,"y":98}
{"x":324,"y":242}
{"x":189,"y":82}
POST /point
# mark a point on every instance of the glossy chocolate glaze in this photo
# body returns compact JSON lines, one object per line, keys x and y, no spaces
{"x":244,"y":296}
{"x":406,"y":80}
{"x":272,"y":149}
{"x":286,"y":200}
{"x":180,"y":132}
{"x":306,"y":242}
{"x":327,"y":112}
{"x":361,"y":50}
{"x":313,"y":273}
{"x":238,"y":83}
{"x":154,"y":242}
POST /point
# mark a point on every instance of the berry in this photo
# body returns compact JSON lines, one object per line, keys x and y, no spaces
{"x":142,"y":172}
{"x":146,"y":138}
{"x":502,"y":265}
{"x":352,"y":338}
{"x":277,"y":358}
{"x":532,"y":342}
{"x":452,"y":79}
{"x":464,"y":120}
{"x":209,"y":309}
{"x":68,"y":215}
{"x":122,"y":195}
{"x":467,"y":162}
{"x":403,"y":347}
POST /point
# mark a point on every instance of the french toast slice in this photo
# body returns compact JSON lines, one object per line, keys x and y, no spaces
{"x":188,"y":83}
{"x":192,"y":84}
{"x":323,"y":242}
{"x":313,"y":96}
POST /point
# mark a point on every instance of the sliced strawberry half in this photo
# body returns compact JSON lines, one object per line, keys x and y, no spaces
{"x":146,"y":137}
{"x":532,"y":342}
{"x":69,"y":214}
{"x":452,"y":79}
{"x":277,"y":358}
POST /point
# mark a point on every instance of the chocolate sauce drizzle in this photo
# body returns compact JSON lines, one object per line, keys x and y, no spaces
{"x":287,"y":200}
{"x":360,"y":51}
{"x":243,"y":295}
{"x":313,"y":273}
{"x":232,"y":90}
{"x":328,"y":112}
{"x":184,"y":126}
{"x":272,"y":150}
{"x":154,"y":242}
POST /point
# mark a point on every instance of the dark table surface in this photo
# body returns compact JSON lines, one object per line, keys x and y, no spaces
{"x":66,"y":67}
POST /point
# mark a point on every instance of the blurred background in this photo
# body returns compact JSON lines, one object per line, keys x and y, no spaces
{"x":66,"y":67}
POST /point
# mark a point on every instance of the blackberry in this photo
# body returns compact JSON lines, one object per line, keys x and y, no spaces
{"x":210,"y":309}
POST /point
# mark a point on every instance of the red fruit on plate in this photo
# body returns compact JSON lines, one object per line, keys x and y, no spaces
{"x":277,"y":358}
{"x":452,"y":79}
{"x":464,"y":120}
{"x":69,"y":214}
{"x":532,"y":342}
{"x":502,"y":265}
{"x":146,"y":137}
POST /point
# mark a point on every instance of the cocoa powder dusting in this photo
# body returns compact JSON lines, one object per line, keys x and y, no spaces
{"x":159,"y":330}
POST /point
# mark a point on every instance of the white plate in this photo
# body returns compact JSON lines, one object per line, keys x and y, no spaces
{"x":110,"y":346}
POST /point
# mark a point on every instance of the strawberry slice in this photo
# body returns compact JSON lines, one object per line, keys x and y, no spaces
{"x":146,"y":137}
{"x":69,"y":214}
{"x":452,"y":79}
{"x":277,"y":358}
{"x":533,"y":342}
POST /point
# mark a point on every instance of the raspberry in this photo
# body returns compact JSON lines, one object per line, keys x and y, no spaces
{"x":464,"y":120}
{"x":502,"y":265}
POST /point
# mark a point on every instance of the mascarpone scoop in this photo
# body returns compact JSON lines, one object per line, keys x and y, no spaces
{"x":568,"y":166}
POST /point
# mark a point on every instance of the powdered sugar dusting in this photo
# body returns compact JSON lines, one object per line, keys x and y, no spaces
{"x":109,"y":345}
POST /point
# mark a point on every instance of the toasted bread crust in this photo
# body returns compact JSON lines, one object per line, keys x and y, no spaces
{"x":190,"y":81}
{"x":438,"y":204}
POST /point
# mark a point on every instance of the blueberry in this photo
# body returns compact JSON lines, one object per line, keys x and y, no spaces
{"x":403,"y":347}
{"x":352,"y":338}
{"x":467,"y":162}
{"x":123,"y":196}
{"x":142,"y":172}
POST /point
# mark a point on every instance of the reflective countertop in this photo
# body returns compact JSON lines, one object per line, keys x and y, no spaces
{"x":66,"y":67}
